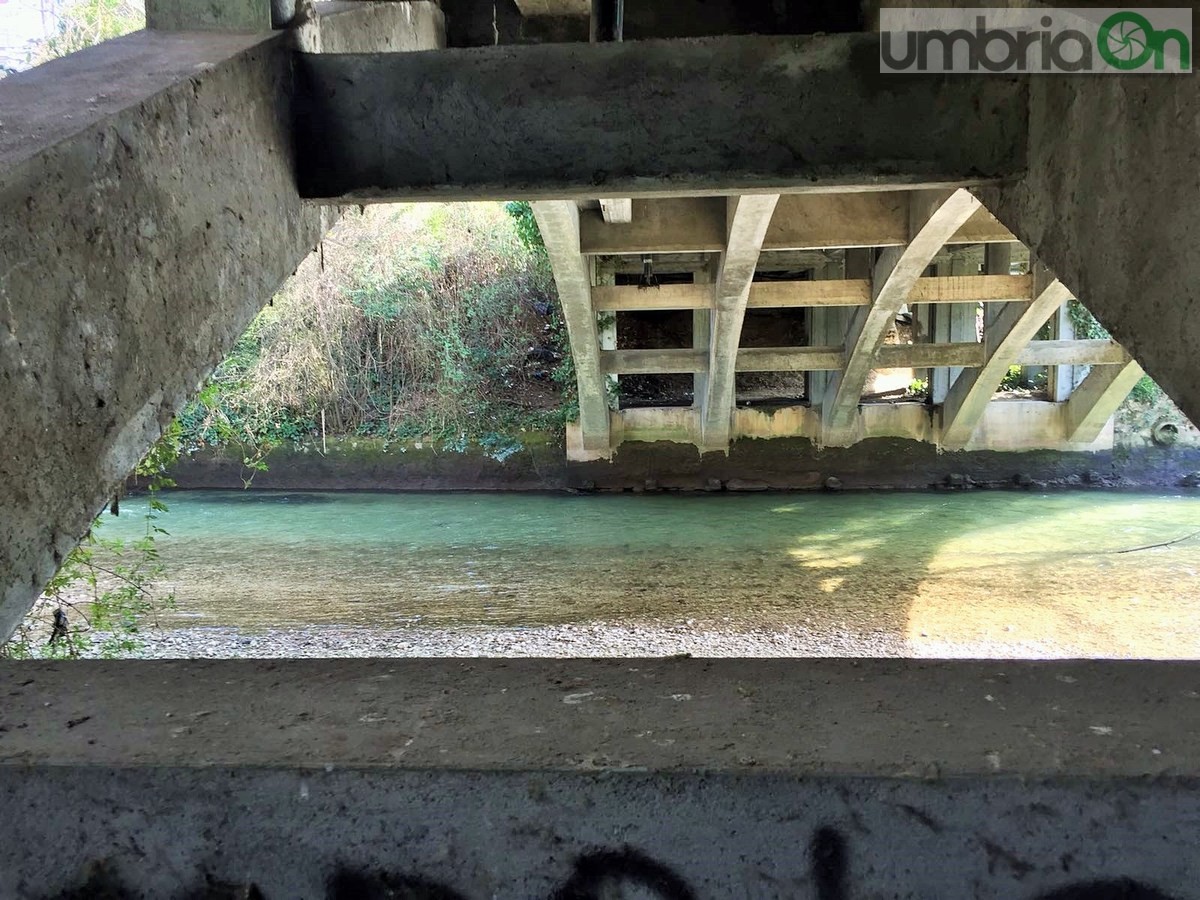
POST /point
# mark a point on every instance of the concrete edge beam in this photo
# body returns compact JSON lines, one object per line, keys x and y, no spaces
{"x":583,"y":120}
{"x":803,"y":221}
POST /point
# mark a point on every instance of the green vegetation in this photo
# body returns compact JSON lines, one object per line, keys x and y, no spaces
{"x":86,"y":22}
{"x":106,"y":588}
{"x":412,"y":321}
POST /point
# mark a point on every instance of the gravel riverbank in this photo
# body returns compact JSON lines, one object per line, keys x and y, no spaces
{"x":568,"y":641}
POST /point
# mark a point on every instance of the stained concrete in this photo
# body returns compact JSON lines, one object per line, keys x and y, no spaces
{"x":148,"y":209}
{"x":828,"y":778}
{"x":779,"y":464}
{"x":1109,"y":203}
{"x":630,"y":119}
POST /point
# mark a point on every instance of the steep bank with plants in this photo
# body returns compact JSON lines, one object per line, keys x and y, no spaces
{"x":437,"y":323}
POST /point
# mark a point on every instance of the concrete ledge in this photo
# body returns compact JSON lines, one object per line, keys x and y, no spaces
{"x":811,"y":717}
{"x":673,"y":779}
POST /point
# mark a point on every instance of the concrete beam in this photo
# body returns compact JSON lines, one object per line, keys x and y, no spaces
{"x":806,"y":221}
{"x":971,"y":289}
{"x":1073,"y":353}
{"x":1097,"y":397}
{"x":558,"y":221}
{"x":842,"y":292}
{"x":654,"y":362}
{"x":1004,"y":338}
{"x":1109,"y":203}
{"x":791,"y":359}
{"x":928,"y":356}
{"x":934,"y":218}
{"x":718,"y":115}
{"x":617,"y":212}
{"x":889,"y":356}
{"x":699,"y":778}
{"x":748,"y":219}
{"x":147,"y":211}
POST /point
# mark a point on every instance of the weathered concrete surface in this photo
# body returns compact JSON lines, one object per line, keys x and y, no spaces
{"x":383,"y":27}
{"x":1109,"y":204}
{"x":138,"y":237}
{"x":722,"y":116}
{"x":147,"y":210}
{"x":887,"y":463}
{"x":781,"y":463}
{"x":364,"y":464}
{"x":202,"y":15}
{"x":654,"y":778}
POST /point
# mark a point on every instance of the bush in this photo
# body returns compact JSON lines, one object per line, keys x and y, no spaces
{"x":412,"y":320}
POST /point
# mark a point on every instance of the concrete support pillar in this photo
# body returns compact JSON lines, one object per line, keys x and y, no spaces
{"x":953,"y":323}
{"x":1003,"y":339}
{"x":558,"y":221}
{"x":1096,"y":399}
{"x":1061,"y":379}
{"x":997,"y":260}
{"x":747,"y":219}
{"x":827,"y":324}
{"x":701,"y":338}
{"x":606,"y":326}
{"x":934,"y":217}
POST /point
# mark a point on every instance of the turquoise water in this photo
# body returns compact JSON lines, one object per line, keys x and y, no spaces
{"x":931,"y":568}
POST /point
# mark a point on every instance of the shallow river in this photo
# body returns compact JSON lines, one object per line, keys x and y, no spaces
{"x":975,"y":574}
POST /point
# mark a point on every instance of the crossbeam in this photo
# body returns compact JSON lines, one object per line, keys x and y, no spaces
{"x":802,"y":222}
{"x":889,"y":356}
{"x":845,"y":292}
{"x":727,"y":115}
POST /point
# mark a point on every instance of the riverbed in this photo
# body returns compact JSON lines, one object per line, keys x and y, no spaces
{"x":979,"y":574}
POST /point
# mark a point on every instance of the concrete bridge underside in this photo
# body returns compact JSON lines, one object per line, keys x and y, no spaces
{"x":873,"y":250}
{"x":154,"y":192}
{"x":145,"y":222}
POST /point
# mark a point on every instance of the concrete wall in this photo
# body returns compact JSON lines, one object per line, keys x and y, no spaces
{"x":822,"y":779}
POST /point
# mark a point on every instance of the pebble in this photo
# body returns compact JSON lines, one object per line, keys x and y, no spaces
{"x":557,"y":641}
